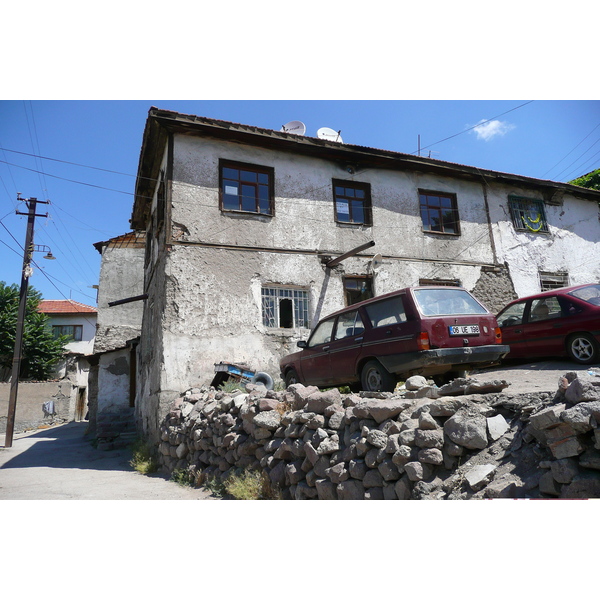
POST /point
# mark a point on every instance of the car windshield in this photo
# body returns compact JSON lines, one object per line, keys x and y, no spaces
{"x":448,"y":301}
{"x":590,"y":293}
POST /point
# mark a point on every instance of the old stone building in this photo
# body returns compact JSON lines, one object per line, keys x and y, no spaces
{"x":242,"y":224}
{"x":113,"y":363}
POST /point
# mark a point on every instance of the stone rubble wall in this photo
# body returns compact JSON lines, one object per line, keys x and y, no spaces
{"x":464,"y":440}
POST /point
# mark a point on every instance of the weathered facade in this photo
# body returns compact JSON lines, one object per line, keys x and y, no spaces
{"x":241,"y":222}
{"x":114,"y":365}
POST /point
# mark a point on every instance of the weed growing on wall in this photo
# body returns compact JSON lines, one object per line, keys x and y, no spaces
{"x":144,"y":459}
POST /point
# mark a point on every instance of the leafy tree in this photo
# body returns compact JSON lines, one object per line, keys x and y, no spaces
{"x":591,"y":180}
{"x":40,"y":349}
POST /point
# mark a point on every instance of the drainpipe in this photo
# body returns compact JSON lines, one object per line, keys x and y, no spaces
{"x":489,"y":221}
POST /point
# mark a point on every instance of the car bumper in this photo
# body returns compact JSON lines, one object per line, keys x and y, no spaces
{"x":444,"y":358}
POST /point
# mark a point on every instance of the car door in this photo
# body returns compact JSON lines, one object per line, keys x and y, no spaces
{"x":546,"y":327}
{"x":315,"y":358}
{"x":512,"y":321}
{"x":389,"y":332}
{"x":344,"y":351}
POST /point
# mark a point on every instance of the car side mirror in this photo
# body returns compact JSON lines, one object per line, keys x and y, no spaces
{"x":301,"y":344}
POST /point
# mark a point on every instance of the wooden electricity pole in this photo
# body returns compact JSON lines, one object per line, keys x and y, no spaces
{"x":26,"y":273}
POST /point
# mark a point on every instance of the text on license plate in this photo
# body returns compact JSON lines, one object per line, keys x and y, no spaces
{"x":464,"y":329}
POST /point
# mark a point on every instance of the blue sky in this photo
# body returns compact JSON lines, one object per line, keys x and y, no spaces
{"x":90,"y":151}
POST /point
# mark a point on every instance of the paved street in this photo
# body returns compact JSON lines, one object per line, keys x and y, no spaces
{"x":59,"y":463}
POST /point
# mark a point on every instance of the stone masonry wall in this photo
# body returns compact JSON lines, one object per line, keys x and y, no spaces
{"x":464,"y":440}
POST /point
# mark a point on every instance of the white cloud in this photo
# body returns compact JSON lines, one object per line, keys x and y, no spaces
{"x":491,"y":129}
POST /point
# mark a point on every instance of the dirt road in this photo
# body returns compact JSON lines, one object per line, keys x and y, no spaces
{"x":59,"y":463}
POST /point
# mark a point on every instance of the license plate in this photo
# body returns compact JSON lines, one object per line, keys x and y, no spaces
{"x":464,"y":329}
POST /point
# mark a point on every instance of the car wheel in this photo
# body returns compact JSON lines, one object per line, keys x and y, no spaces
{"x":374,"y":378}
{"x":582,"y":348}
{"x":291,"y":377}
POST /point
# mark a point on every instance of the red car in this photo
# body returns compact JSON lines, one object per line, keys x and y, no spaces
{"x":561,"y":322}
{"x":428,"y":330}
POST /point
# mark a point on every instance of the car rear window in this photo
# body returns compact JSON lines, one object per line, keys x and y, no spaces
{"x":448,"y":301}
{"x":386,"y":312}
{"x":590,"y":293}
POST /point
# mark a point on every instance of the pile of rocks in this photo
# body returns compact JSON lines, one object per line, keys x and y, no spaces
{"x":465,"y":440}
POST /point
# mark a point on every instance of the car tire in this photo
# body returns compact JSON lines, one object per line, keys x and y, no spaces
{"x":374,"y":378}
{"x":582,"y":348}
{"x":291,"y":377}
{"x":263,"y":378}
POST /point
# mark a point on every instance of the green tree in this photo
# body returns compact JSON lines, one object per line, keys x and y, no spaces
{"x":41,"y":350}
{"x":591,"y":180}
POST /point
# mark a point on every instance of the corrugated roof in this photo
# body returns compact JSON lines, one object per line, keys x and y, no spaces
{"x":65,"y":307}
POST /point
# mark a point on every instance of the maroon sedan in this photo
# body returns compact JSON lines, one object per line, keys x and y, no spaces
{"x":429,"y":330}
{"x":561,"y":322}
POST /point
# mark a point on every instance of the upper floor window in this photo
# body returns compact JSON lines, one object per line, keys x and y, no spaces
{"x":439,"y":212}
{"x":528,"y":214}
{"x":246,"y":188}
{"x":73,"y":331}
{"x":352,"y":201}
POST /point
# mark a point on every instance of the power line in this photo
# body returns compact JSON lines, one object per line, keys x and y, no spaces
{"x":573,"y":150}
{"x":475,"y":126}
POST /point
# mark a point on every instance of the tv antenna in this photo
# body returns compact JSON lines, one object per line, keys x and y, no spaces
{"x":326,"y":133}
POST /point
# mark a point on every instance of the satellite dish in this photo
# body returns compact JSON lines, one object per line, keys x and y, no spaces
{"x":296,"y":127}
{"x":326,"y":133}
{"x":376,"y":261}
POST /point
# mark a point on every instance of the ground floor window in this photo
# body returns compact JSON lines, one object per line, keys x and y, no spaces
{"x":446,"y":282}
{"x":357,"y":289}
{"x":552,"y":281}
{"x":284,"y":308}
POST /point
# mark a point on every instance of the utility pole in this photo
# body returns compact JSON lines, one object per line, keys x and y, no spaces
{"x":26,"y":273}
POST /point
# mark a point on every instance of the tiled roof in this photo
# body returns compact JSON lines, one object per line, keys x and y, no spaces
{"x":65,"y":307}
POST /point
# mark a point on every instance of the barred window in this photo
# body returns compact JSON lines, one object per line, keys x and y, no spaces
{"x":284,"y":307}
{"x":553,"y":281}
{"x":528,"y":214}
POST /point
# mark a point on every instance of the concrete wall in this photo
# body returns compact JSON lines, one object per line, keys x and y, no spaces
{"x":65,"y":393}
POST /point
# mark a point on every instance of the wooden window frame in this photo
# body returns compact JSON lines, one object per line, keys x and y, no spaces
{"x":424,"y":196}
{"x":259,"y":170}
{"x":366,"y":202}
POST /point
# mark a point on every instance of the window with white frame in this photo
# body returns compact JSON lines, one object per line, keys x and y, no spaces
{"x":284,"y":308}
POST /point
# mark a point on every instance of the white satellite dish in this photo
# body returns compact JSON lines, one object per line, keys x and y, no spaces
{"x":376,"y":261}
{"x":326,"y":133}
{"x":296,"y":127}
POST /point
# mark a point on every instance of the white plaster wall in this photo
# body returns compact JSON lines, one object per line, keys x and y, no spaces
{"x":304,"y":211}
{"x":572,"y":244}
{"x":88,"y":321}
{"x":113,"y":380}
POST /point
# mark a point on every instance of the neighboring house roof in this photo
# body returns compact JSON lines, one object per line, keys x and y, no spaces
{"x":65,"y":307}
{"x":161,"y":122}
{"x":133,"y":239}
